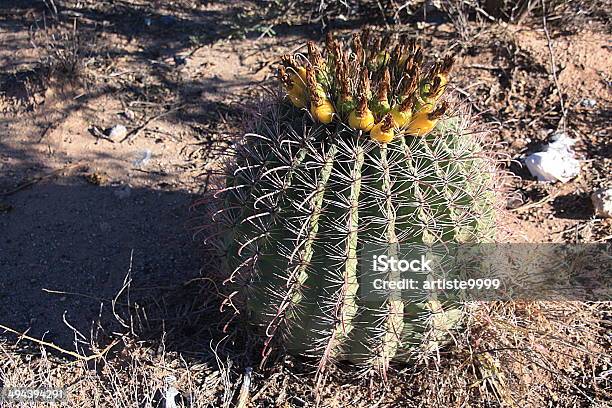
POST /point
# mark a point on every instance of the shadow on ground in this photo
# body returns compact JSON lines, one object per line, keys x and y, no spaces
{"x":69,"y":249}
{"x":81,"y":260}
{"x":84,"y":260}
{"x":576,"y":206}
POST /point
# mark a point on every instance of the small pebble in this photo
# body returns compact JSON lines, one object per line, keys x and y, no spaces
{"x":588,"y":103}
{"x":129,"y":114}
{"x":117,"y":132}
{"x":602,"y":202}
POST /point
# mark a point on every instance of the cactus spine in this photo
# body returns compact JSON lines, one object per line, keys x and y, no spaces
{"x":304,"y":196}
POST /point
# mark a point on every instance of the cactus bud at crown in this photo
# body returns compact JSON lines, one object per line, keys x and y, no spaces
{"x":386,"y":73}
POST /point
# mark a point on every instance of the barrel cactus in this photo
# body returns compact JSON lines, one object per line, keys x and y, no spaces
{"x":361,"y":150}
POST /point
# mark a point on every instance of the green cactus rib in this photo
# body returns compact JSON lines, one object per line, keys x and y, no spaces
{"x":394,"y":321}
{"x":378,"y":327}
{"x":303,"y":200}
{"x":346,"y":306}
{"x":298,"y":278}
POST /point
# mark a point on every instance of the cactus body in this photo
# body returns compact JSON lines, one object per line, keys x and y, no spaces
{"x":304,"y":198}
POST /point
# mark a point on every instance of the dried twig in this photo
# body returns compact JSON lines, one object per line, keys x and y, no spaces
{"x":537,"y":203}
{"x":486,"y":67}
{"x":58,"y":348}
{"x":554,"y":67}
{"x":40,"y":178}
{"x":243,"y":399}
{"x":125,"y":287}
{"x":130,"y":137}
{"x":84,"y":295}
{"x":50,"y":126}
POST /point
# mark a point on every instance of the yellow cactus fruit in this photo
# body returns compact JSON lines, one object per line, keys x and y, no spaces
{"x":321,"y":107}
{"x":361,"y":118}
{"x":376,"y":84}
{"x":296,"y":93}
{"x":299,"y":77}
{"x":302,"y":74}
{"x":383,"y":131}
{"x":425,"y":120}
{"x":297,"y":96}
{"x":421,"y":125}
{"x":402,"y":113}
{"x":358,"y":122}
{"x":324,"y":111}
{"x":400,"y":119}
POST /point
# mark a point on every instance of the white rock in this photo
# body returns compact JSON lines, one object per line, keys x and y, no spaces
{"x":602,"y":202}
{"x":117,"y":132}
{"x":556,"y":162}
{"x":588,"y":103}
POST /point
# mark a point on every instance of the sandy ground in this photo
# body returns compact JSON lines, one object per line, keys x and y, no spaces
{"x":87,"y":222}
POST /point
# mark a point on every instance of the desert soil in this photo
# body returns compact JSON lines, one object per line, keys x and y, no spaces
{"x":90,"y":224}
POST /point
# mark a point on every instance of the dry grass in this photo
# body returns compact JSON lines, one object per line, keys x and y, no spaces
{"x":64,"y":53}
{"x":568,"y":14}
{"x":137,"y":377}
{"x":134,"y":372}
{"x":505,"y":354}
{"x":524,"y":354}
{"x":521,"y":354}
